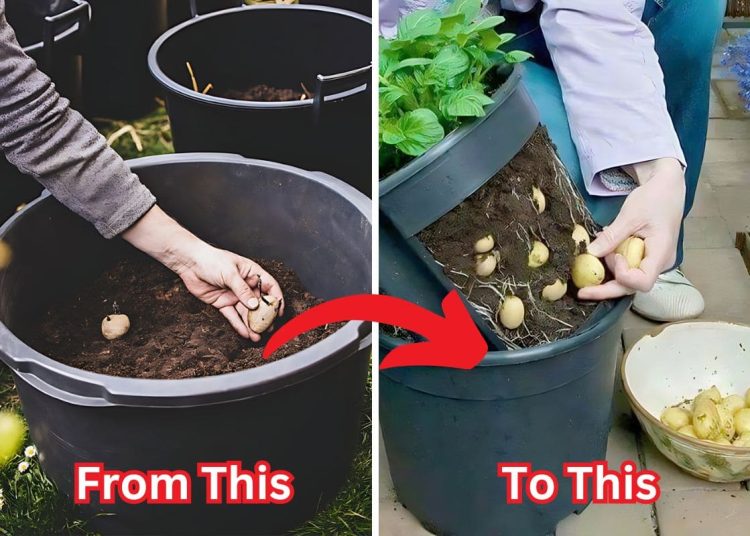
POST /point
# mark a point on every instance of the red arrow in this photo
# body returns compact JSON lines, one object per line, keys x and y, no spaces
{"x":453,"y":340}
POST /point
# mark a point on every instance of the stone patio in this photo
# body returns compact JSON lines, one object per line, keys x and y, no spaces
{"x":688,"y":506}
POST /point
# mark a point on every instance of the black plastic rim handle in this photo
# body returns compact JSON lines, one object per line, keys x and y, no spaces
{"x":80,"y":14}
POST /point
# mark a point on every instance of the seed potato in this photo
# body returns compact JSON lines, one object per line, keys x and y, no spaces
{"x":539,"y":254}
{"x":587,"y":271}
{"x":512,"y":312}
{"x":676,"y":418}
{"x":115,"y":326}
{"x":261,"y":319}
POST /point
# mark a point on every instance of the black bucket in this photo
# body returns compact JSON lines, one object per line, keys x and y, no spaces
{"x":284,"y":46}
{"x":51,"y":32}
{"x":116,"y":81}
{"x":301,"y":413}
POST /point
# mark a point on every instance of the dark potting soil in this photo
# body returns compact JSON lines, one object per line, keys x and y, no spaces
{"x":503,"y":208}
{"x":264,"y":93}
{"x":172,"y":335}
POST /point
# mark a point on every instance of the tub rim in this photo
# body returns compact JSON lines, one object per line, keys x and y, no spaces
{"x":85,"y":388}
{"x":170,"y":85}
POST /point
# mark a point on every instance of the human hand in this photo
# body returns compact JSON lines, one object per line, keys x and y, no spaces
{"x":220,"y":278}
{"x":653,"y":211}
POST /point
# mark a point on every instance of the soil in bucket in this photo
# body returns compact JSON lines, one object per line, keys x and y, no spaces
{"x":173,"y":335}
{"x":264,"y":93}
{"x":504,"y":208}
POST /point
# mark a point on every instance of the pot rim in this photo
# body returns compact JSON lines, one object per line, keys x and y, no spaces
{"x":169,"y":84}
{"x":641,"y":411}
{"x":544,"y":351}
{"x":94,"y":389}
{"x":404,"y":173}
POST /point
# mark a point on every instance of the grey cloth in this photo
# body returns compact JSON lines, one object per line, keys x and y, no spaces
{"x":43,"y":137}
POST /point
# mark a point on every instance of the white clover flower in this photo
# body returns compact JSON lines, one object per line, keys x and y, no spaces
{"x":1,"y":493}
{"x":2,"y":502}
{"x":23,"y":467}
{"x":30,"y":451}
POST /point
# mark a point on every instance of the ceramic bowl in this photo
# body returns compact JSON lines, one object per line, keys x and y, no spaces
{"x":674,"y":364}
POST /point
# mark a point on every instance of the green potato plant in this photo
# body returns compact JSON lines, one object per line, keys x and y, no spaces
{"x":434,"y":74}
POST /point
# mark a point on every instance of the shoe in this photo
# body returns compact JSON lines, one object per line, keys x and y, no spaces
{"x":673,"y":298}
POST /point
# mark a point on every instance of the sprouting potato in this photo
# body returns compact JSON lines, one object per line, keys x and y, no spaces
{"x":260,"y":319}
{"x":675,"y":418}
{"x":511,"y":312}
{"x":485,"y":263}
{"x":484,"y":244}
{"x":713,"y":394}
{"x":540,"y":203}
{"x":115,"y":326}
{"x":554,"y":291}
{"x":580,"y":235}
{"x":743,"y":440}
{"x":727,"y":421}
{"x":742,"y":421}
{"x":733,"y":403}
{"x":706,"y":419}
{"x":587,"y":271}
{"x":5,"y":255}
{"x":633,"y":250}
{"x":688,"y":431}
{"x":539,"y":254}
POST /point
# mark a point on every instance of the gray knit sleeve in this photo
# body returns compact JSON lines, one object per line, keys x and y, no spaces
{"x":43,"y":137}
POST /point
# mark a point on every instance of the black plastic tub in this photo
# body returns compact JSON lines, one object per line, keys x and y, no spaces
{"x":430,"y":186}
{"x":116,"y":81}
{"x":283,"y":46}
{"x":301,"y":413}
{"x":446,"y":430}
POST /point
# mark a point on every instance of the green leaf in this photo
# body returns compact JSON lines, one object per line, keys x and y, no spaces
{"x":486,"y":24}
{"x":421,"y":129}
{"x":464,"y":103}
{"x":517,"y":56}
{"x":412,"y":62}
{"x":389,"y":95}
{"x":490,"y":40}
{"x":390,"y":133}
{"x":479,"y":56}
{"x":451,"y":61}
{"x":469,"y":8}
{"x":419,"y":23}
{"x":451,"y":24}
{"x":506,"y":38}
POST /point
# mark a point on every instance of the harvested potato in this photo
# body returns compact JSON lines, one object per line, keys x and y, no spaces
{"x":539,"y":254}
{"x":721,"y":440}
{"x":580,"y":235}
{"x":633,"y":249}
{"x":554,"y":291}
{"x":688,"y":431}
{"x":115,"y":326}
{"x":706,"y":419}
{"x":5,"y":255}
{"x":587,"y":271}
{"x":511,"y":312}
{"x":733,"y":403}
{"x":713,"y":394}
{"x":484,"y":244}
{"x":540,"y":203}
{"x":485,"y":263}
{"x":743,"y":440}
{"x":675,"y":418}
{"x":727,"y":421}
{"x":742,"y":421}
{"x":260,"y":319}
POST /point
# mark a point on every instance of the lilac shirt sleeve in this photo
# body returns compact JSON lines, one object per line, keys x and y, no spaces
{"x":612,"y":84}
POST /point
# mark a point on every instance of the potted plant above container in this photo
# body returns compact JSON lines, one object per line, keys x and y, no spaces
{"x":180,"y":387}
{"x":474,"y":197}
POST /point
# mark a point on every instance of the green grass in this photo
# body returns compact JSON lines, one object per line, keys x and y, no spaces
{"x":34,"y":507}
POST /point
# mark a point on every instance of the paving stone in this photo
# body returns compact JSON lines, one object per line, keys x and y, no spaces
{"x":707,"y":233}
{"x":726,"y":151}
{"x":672,"y":477}
{"x":715,"y":107}
{"x":728,"y":129}
{"x":729,"y":95}
{"x":697,"y":513}
{"x":705,"y":204}
{"x":635,"y":327}
{"x":721,"y":276}
{"x":612,"y":519}
{"x":719,"y":174}
{"x":734,"y":206}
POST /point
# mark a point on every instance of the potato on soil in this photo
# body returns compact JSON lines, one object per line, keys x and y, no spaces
{"x":5,"y":255}
{"x":706,"y":419}
{"x":554,"y":291}
{"x":261,"y":319}
{"x":633,"y":249}
{"x":511,"y":312}
{"x":675,"y":418}
{"x":540,"y":203}
{"x":539,"y":254}
{"x":115,"y":326}
{"x":485,"y":263}
{"x":580,"y":234}
{"x":484,"y":244}
{"x":587,"y":271}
